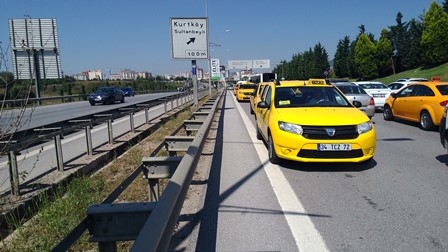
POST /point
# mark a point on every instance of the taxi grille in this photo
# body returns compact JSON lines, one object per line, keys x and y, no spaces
{"x":319,"y":132}
{"x":330,"y":154}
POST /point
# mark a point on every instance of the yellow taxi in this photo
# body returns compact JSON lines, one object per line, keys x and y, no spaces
{"x":245,"y":90}
{"x":312,"y":121}
{"x":421,"y":102}
{"x":235,"y":87}
{"x":256,"y":96}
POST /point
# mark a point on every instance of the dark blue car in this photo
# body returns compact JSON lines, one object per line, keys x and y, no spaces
{"x":106,"y":95}
{"x":128,"y":91}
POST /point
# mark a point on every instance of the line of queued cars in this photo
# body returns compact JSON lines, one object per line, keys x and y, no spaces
{"x":330,"y":130}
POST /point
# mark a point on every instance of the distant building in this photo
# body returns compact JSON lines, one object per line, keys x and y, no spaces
{"x":97,"y":75}
{"x":84,"y":76}
{"x":125,"y":74}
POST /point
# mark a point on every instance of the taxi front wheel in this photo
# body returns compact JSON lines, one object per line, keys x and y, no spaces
{"x":273,"y":158}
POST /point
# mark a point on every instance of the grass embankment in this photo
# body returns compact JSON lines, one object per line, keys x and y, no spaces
{"x":440,"y":71}
{"x":59,"y":215}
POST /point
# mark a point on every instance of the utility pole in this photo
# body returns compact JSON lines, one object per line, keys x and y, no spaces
{"x":35,"y":57}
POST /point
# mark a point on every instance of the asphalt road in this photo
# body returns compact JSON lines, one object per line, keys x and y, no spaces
{"x":396,"y":203}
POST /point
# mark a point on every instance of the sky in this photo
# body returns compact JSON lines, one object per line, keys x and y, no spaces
{"x":135,"y":34}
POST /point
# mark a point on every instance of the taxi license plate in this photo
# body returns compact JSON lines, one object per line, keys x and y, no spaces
{"x":334,"y":147}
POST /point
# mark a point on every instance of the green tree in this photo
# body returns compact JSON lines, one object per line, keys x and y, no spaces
{"x":6,"y":78}
{"x":320,"y":62}
{"x":365,"y":54}
{"x":400,"y":42}
{"x":414,"y":57}
{"x":384,"y":54}
{"x":434,"y":38}
{"x":341,"y":62}
{"x":445,"y":5}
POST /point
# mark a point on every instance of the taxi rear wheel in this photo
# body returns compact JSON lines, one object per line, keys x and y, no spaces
{"x":426,"y":121}
{"x":273,"y":158}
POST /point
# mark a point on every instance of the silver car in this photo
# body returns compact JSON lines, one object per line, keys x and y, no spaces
{"x":356,"y":93}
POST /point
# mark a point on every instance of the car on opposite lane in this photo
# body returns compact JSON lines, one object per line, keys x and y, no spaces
{"x":377,"y":90}
{"x":106,"y":95}
{"x":421,"y":102}
{"x":356,"y":93}
{"x":331,"y":129}
{"x":128,"y":91}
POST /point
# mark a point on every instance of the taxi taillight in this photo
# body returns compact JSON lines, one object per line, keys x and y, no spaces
{"x":372,"y":101}
{"x":444,"y":103}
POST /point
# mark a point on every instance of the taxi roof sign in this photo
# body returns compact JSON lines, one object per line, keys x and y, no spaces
{"x":317,"y":81}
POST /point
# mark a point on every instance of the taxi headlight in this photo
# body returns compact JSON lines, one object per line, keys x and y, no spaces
{"x":291,"y":128}
{"x":364,"y":127}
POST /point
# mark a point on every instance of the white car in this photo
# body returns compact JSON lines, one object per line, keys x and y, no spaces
{"x":400,"y":83}
{"x":378,"y":90}
{"x":356,"y":93}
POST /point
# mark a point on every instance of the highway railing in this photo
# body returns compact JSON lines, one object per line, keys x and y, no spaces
{"x":56,"y":132}
{"x":151,"y":223}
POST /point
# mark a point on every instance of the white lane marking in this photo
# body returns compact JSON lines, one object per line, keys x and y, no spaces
{"x":305,"y":233}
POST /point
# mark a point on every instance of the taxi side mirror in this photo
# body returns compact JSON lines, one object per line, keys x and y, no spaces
{"x":262,"y":104}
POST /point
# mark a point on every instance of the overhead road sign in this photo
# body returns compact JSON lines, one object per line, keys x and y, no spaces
{"x":261,"y":63}
{"x":189,"y":38}
{"x":249,"y":64}
{"x":239,"y":64}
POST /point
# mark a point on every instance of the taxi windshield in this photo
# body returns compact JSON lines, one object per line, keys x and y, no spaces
{"x":248,"y":86}
{"x":309,"y":96}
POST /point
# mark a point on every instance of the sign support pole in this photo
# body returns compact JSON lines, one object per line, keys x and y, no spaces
{"x":195,"y":83}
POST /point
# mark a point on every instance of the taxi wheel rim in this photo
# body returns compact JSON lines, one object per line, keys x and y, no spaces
{"x":425,"y":120}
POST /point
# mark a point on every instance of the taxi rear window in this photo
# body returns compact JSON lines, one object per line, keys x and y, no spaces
{"x":443,"y":89}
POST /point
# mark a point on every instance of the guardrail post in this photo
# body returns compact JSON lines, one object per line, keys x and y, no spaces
{"x":87,"y":124}
{"x":164,"y":103}
{"x":110,"y":131}
{"x":155,"y":168}
{"x":89,"y":140}
{"x":131,"y":117}
{"x":109,"y":126}
{"x":58,"y":148}
{"x":14,"y":173}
